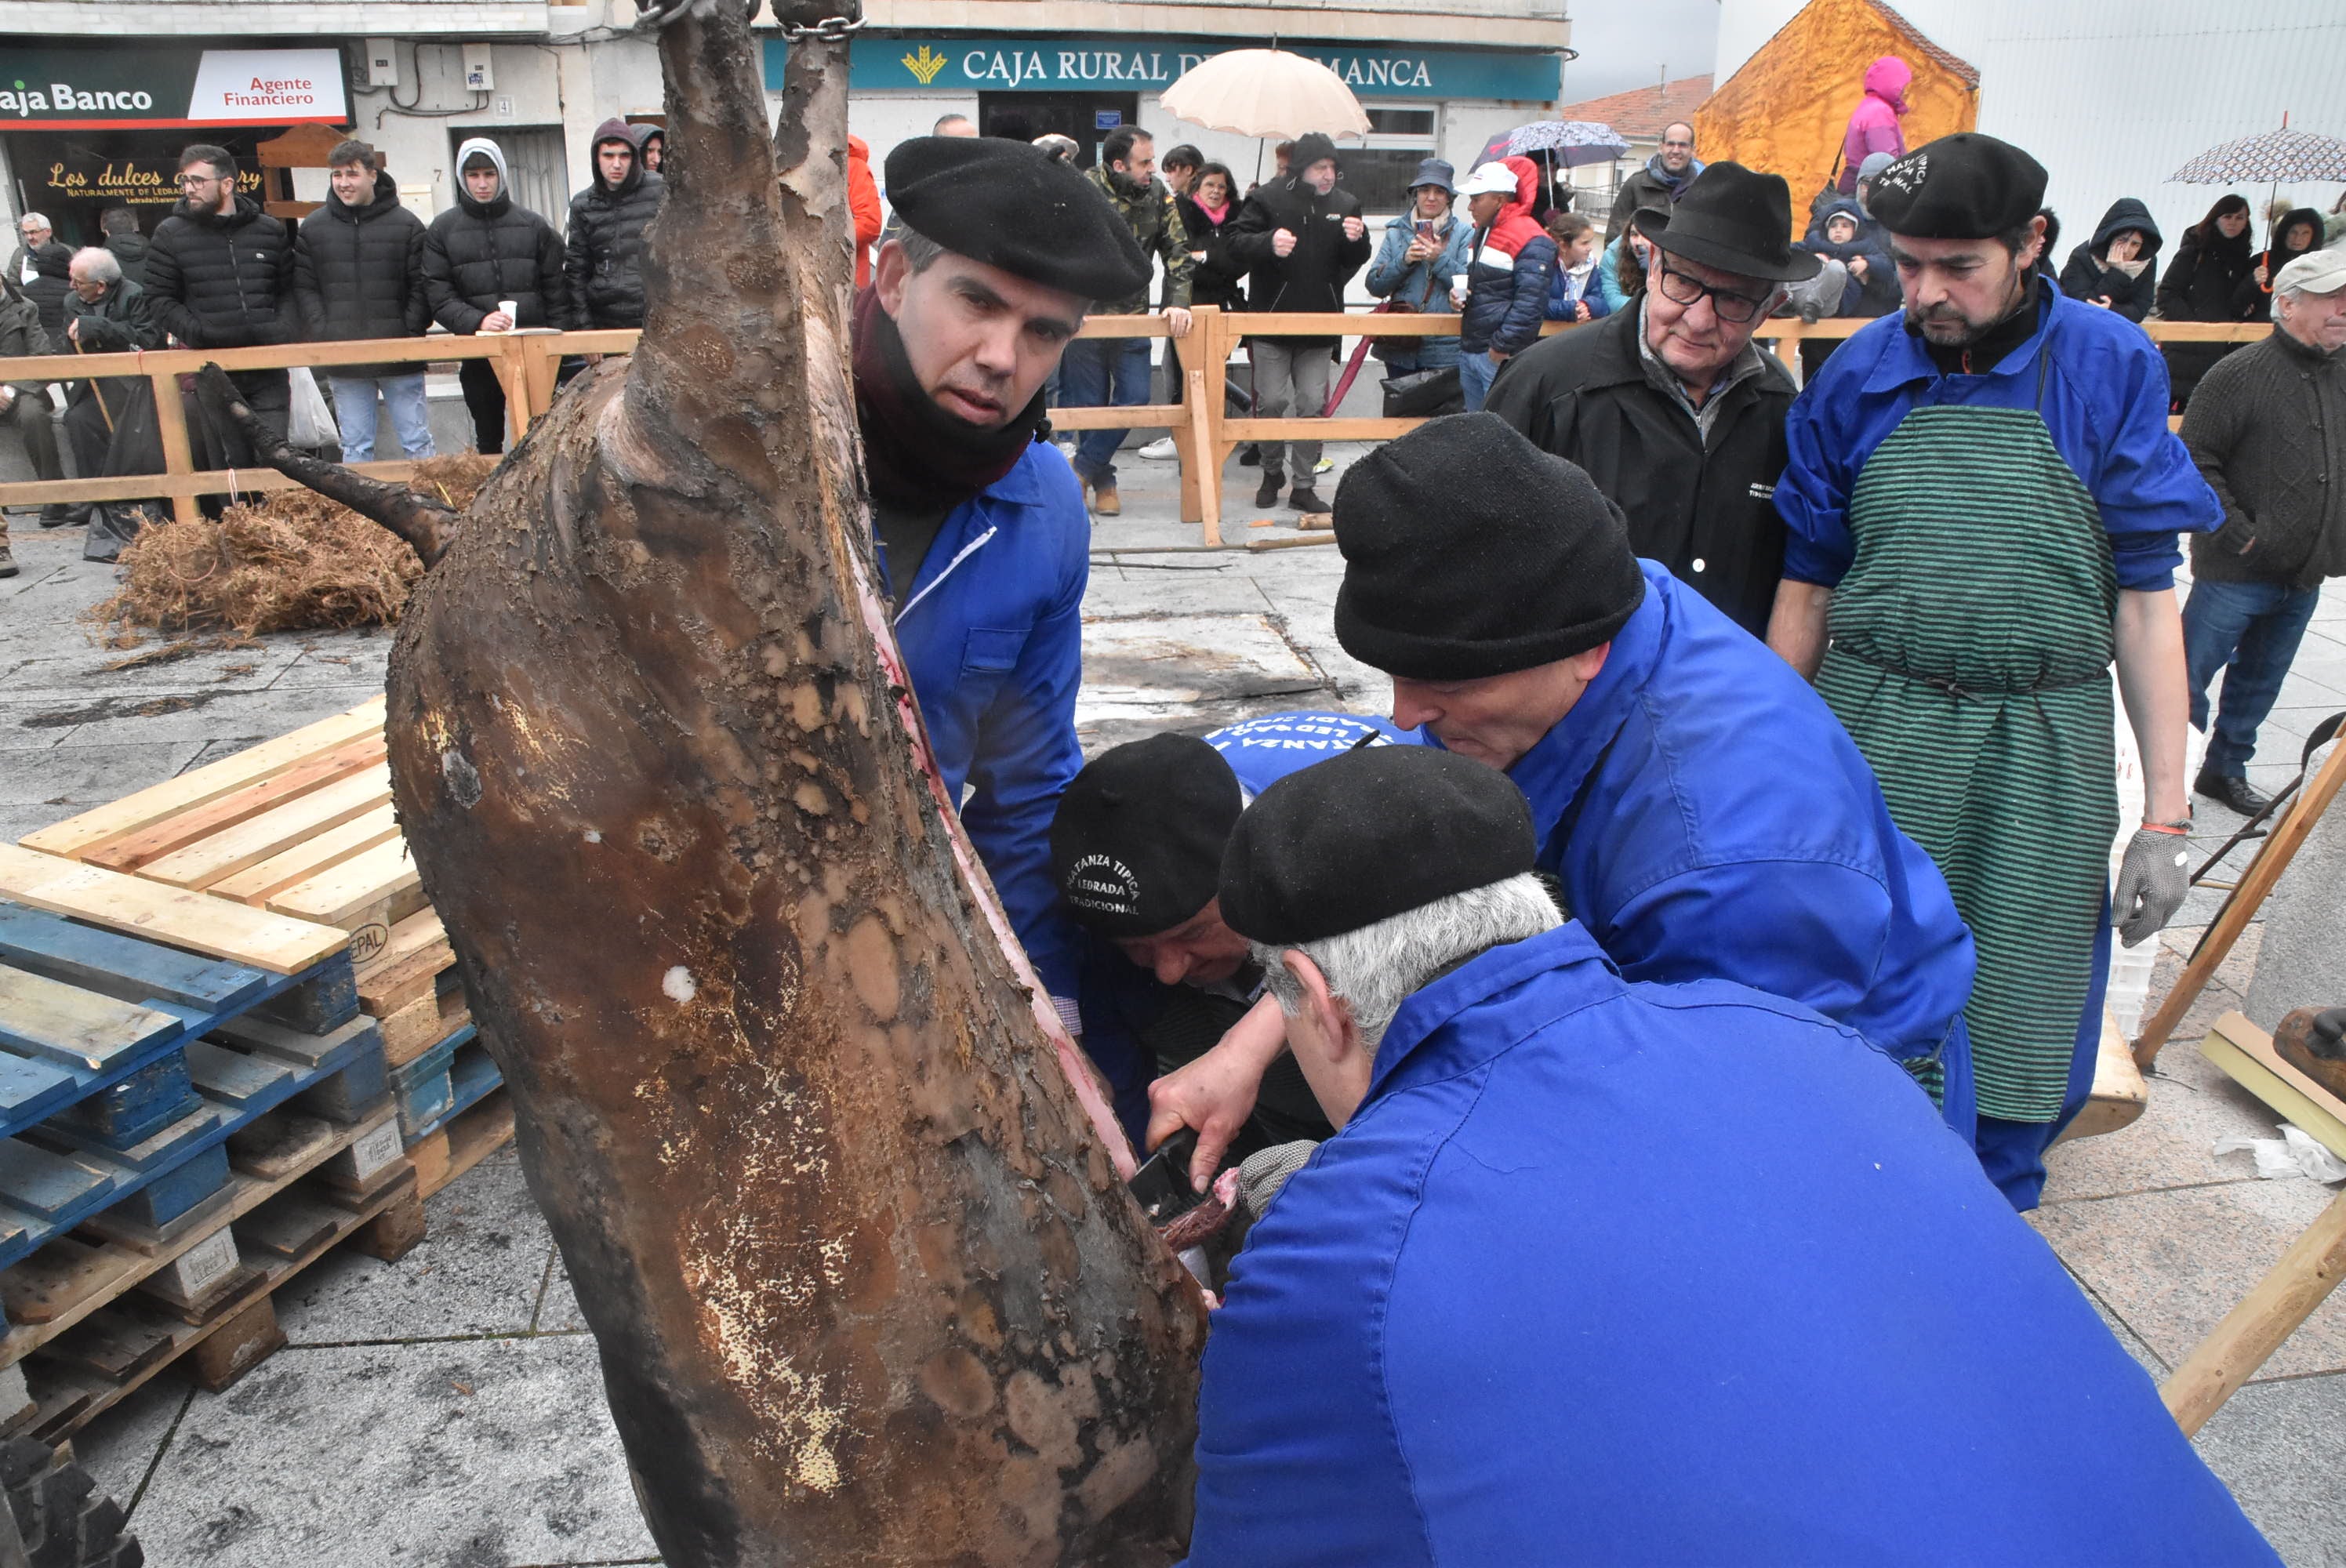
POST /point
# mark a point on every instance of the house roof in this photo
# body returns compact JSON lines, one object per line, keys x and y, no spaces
{"x":1640,"y":113}
{"x":1963,"y":69}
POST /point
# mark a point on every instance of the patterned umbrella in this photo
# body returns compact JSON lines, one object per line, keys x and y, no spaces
{"x":2270,"y":156}
{"x":1567,"y":144}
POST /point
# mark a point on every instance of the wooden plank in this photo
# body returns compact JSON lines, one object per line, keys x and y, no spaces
{"x":245,"y":1340}
{"x":1318,"y":428}
{"x":76,"y":836}
{"x":45,"y":1184}
{"x":235,"y":1077}
{"x":60,"y":1022}
{"x":311,"y":1053}
{"x":127,"y":1113}
{"x":30,"y":1087}
{"x":122,"y":967}
{"x":2250,"y":1332}
{"x":263,"y":940}
{"x":160,"y":1150}
{"x":283,"y":1144}
{"x":298,"y":862}
{"x":462,"y":1142}
{"x":2245,"y":1053}
{"x":209,"y":858}
{"x":287,"y":1225}
{"x":116,"y":1344}
{"x":348,"y":894}
{"x":2118,"y":1096}
{"x":409,"y":965}
{"x":132,"y":852}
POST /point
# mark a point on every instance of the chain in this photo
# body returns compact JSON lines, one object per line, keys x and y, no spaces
{"x":829,"y":30}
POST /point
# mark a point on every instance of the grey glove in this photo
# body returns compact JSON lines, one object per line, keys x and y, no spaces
{"x":2152,"y":881}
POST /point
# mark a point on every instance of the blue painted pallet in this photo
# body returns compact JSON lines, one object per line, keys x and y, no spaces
{"x":200,"y":992}
{"x":424,"y":1087}
{"x":53,"y":1179}
{"x":471,"y":1075}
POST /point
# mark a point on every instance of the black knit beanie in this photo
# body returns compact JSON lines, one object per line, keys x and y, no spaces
{"x":1367,"y":835}
{"x":1469,"y":552}
{"x":1310,"y":148}
{"x":1137,"y":842}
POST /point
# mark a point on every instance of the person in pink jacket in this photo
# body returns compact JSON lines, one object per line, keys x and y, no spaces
{"x":1873,"y":124}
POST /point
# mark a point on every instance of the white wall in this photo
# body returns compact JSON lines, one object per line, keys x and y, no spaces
{"x":556,"y":85}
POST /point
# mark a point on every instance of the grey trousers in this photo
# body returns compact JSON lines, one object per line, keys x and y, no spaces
{"x":1825,"y":289}
{"x":1290,"y":380}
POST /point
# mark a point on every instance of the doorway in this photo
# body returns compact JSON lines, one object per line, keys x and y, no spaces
{"x":1086,"y":119}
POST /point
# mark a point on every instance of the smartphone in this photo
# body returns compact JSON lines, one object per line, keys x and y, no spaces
{"x":1425,"y":229}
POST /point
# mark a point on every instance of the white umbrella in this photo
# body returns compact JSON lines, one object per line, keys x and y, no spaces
{"x":1264,"y":92}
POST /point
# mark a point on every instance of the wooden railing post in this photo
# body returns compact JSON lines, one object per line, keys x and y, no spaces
{"x":171,"y":427}
{"x":512,"y":374}
{"x":1195,"y":436}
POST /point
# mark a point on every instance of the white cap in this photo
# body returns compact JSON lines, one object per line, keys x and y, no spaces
{"x":1492,"y":178}
{"x":2315,"y":272}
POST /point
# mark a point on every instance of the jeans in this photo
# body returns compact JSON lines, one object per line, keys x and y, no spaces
{"x":1103,"y":372}
{"x":1475,"y":373}
{"x":1290,"y":380}
{"x":2251,"y":631}
{"x":354,"y":411}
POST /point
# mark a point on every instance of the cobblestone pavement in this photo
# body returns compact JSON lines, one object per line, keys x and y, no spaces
{"x":446,"y":1409}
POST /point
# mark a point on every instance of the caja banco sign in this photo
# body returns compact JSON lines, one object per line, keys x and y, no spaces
{"x":67,"y":87}
{"x":1149,"y":64}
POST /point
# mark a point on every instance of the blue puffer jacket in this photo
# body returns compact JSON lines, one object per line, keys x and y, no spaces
{"x":1507,"y":293}
{"x":1420,"y":287}
{"x":991,"y":630}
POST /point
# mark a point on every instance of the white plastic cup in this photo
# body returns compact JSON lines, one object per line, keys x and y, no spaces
{"x":512,"y":308}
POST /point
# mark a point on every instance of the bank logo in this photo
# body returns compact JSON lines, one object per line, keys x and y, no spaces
{"x":925,"y":65}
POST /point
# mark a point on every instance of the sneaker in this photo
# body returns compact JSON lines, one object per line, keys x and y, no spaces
{"x":8,"y":563}
{"x":1105,"y":503}
{"x":1306,"y":500}
{"x":1811,"y":312}
{"x":1161,"y":450}
{"x":1267,"y":494}
{"x":1325,"y":465}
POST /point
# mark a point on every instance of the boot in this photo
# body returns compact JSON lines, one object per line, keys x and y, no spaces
{"x":1267,"y":494}
{"x":1104,"y":498}
{"x":1249,"y":456}
{"x":65,"y":515}
{"x":1306,"y":500}
{"x":7,"y":561}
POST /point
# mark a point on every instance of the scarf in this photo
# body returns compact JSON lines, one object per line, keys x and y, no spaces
{"x":1677,"y":183}
{"x":915,"y":454}
{"x":1217,"y":215}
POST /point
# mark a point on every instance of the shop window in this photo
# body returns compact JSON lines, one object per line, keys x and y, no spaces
{"x":1399,"y":139}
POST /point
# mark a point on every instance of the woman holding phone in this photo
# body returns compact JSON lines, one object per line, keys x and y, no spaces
{"x":1424,"y":249}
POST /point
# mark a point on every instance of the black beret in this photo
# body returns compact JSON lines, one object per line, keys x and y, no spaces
{"x":1469,"y":552}
{"x":1014,"y":205}
{"x":1137,"y":842}
{"x":1961,"y":187}
{"x":1367,"y":835}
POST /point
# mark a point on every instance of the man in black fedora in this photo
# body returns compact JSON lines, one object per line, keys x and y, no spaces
{"x":1671,"y":408}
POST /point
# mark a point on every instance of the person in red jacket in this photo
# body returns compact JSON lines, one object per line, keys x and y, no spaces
{"x":862,"y":205}
{"x":1504,"y":298}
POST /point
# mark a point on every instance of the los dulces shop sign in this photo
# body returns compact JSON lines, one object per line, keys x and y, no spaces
{"x":128,"y":181}
{"x":126,"y":86}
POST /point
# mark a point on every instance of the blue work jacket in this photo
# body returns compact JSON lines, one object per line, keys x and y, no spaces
{"x":1709,"y":818}
{"x":2104,"y":402}
{"x":1262,"y":752}
{"x":992,"y":631}
{"x":1614,"y":1274}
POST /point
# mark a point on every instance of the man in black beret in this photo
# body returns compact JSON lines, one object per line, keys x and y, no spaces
{"x":1671,"y":407}
{"x":1983,"y":499}
{"x":1702,"y":811}
{"x":982,"y":538}
{"x":1501,"y":1309}
{"x":1169,"y":991}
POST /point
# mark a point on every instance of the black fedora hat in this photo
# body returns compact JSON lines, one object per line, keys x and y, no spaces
{"x":1736,"y":219}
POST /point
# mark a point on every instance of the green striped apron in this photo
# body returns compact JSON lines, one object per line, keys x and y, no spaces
{"x":1971,"y":644}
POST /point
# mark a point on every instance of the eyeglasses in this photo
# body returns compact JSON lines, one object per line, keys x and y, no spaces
{"x":1728,"y":305}
{"x":189,"y":181}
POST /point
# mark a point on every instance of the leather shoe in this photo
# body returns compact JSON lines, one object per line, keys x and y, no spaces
{"x":1105,"y":501}
{"x":2233,"y":793}
{"x":65,"y":515}
{"x":1267,"y":493}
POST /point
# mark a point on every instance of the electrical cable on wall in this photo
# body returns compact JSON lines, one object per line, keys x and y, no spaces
{"x":416,"y":62}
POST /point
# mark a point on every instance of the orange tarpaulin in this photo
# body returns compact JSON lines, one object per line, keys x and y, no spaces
{"x":1785,"y":109}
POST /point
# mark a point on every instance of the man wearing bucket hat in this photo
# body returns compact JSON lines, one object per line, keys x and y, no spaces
{"x":1671,"y":408}
{"x":1701,"y":812}
{"x":1983,"y":499}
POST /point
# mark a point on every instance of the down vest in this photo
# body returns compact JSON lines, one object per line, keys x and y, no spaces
{"x":222,"y":282}
{"x":358,"y":272}
{"x":602,"y":259}
{"x":1506,"y":291}
{"x":479,"y":252}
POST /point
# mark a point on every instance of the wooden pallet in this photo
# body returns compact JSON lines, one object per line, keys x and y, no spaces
{"x":462,"y":1141}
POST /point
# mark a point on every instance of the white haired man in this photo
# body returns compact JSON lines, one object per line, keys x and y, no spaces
{"x":1500,"y":1318}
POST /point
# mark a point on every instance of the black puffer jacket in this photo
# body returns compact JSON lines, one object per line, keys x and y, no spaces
{"x":2255,"y":299}
{"x":222,"y":282}
{"x":22,"y":334}
{"x":2203,"y":280}
{"x":2089,"y":276}
{"x":602,"y":259}
{"x":480,"y":252}
{"x":1312,"y":276}
{"x":130,"y":250}
{"x":358,"y":272}
{"x":51,"y":288}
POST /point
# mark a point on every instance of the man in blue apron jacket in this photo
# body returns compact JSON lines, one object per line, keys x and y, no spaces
{"x":1136,"y":849}
{"x":1501,"y":1317}
{"x":983,"y":540}
{"x":1983,"y":499}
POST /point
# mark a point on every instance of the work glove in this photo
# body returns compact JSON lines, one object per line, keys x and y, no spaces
{"x":2152,"y":881}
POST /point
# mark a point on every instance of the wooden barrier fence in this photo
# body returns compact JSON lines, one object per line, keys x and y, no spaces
{"x":526,"y":364}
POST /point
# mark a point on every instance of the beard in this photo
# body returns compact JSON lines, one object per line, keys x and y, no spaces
{"x":1946,"y":327}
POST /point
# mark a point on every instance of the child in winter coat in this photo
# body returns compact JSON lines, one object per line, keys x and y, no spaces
{"x":1573,"y":294}
{"x":1843,"y":234}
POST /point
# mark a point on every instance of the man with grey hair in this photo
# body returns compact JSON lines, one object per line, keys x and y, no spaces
{"x":1623,"y":1272}
{"x":34,"y":231}
{"x":2267,"y":429}
{"x":107,"y":314}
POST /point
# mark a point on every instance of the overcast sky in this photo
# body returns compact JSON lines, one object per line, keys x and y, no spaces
{"x":1627,"y":44}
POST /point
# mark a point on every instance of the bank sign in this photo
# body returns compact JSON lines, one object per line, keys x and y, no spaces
{"x":941,"y":63}
{"x":127,"y":87}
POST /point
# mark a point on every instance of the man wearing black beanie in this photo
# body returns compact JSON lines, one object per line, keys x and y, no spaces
{"x":1703,"y":813}
{"x":981,"y":536}
{"x":1983,"y":499}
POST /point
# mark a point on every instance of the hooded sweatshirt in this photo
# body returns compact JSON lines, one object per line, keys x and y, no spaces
{"x":602,"y":257}
{"x":1873,"y":124}
{"x":2130,"y":287}
{"x":479,"y":253}
{"x":1506,"y":289}
{"x":2255,"y":299}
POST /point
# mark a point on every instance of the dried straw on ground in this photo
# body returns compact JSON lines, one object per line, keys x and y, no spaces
{"x":288,"y":561}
